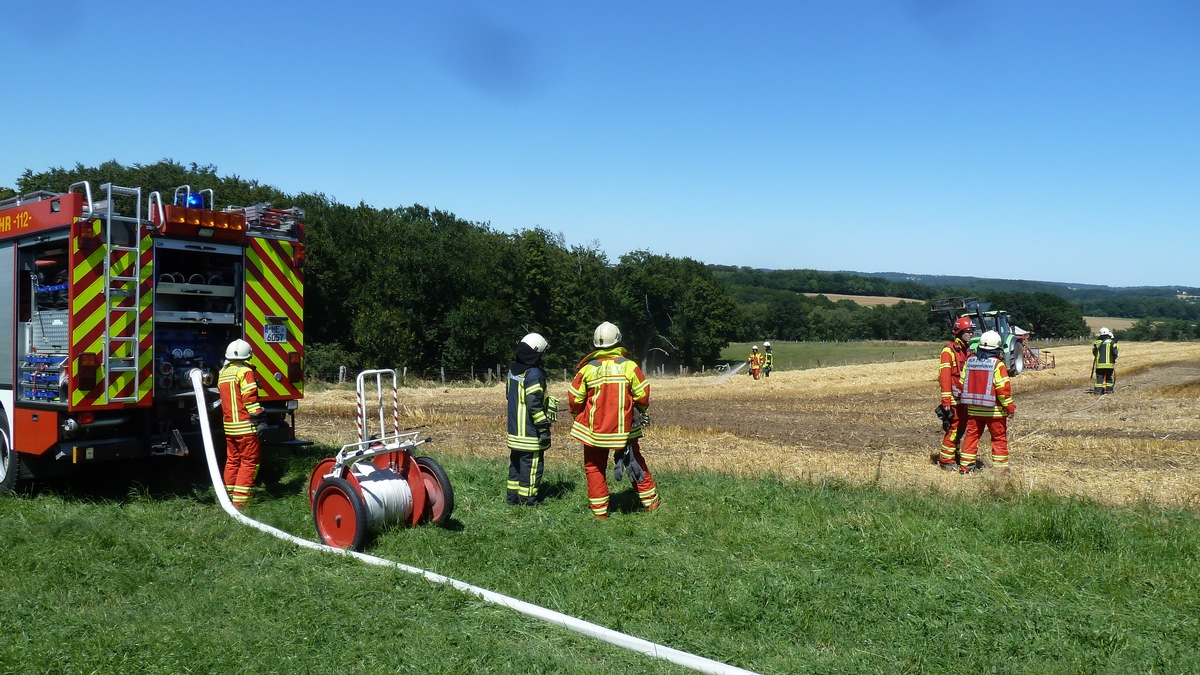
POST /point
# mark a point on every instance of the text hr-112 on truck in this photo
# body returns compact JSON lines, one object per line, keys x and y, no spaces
{"x":108,"y":303}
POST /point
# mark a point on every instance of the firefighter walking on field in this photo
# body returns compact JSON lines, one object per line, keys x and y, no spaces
{"x":1104,"y":361}
{"x":756,"y":362}
{"x":987,"y":393}
{"x":609,"y":397}
{"x":953,"y":413}
{"x":242,"y":413}
{"x":530,"y":413}
{"x":768,"y":359}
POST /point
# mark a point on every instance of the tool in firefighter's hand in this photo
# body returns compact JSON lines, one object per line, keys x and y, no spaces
{"x":624,"y":463}
{"x":945,"y":414}
{"x":552,"y":408}
{"x":641,"y":417}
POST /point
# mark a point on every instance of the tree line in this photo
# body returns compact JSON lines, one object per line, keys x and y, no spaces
{"x":419,"y":287}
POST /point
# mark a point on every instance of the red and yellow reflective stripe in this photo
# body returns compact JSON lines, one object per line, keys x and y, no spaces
{"x":87,"y":322}
{"x":275,"y":289}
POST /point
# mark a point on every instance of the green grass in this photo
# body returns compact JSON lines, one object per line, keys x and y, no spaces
{"x":801,"y":355}
{"x":771,"y":576}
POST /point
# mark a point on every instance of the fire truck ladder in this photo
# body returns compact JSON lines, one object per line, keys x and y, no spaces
{"x":122,"y":292}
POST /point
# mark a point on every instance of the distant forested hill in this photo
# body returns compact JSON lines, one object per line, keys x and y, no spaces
{"x":773,"y":303}
{"x":1069,"y":291}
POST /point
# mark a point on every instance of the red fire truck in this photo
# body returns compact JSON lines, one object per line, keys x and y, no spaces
{"x":114,"y":297}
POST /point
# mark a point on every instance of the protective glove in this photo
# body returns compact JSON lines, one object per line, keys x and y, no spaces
{"x":945,"y":413}
{"x":544,"y":437}
{"x":624,"y":463}
{"x":259,"y":422}
{"x":641,"y":417}
{"x":551,"y":408}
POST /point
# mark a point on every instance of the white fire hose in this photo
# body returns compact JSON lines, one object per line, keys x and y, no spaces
{"x":580,"y":626}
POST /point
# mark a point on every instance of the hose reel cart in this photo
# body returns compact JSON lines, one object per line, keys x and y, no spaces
{"x":378,"y":481}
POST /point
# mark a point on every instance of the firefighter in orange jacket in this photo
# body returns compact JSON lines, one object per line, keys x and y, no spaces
{"x":607,"y":390}
{"x":987,"y":394}
{"x":242,"y":414}
{"x":954,"y":355}
{"x":756,"y":361}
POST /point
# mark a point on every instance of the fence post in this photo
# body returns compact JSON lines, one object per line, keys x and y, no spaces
{"x":472,"y":373}
{"x":341,"y":373}
{"x":443,"y":369}
{"x":404,"y":376}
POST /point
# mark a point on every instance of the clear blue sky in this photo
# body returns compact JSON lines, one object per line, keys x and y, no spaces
{"x":1018,"y":139}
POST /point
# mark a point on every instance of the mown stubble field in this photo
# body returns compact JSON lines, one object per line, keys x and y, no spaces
{"x":867,"y":424}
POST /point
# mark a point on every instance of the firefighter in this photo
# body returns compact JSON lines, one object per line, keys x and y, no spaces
{"x":530,"y":413}
{"x":954,"y":413}
{"x":756,"y":362}
{"x":987,"y":393}
{"x":768,"y":359}
{"x":1104,"y":360}
{"x":242,"y":416}
{"x":609,"y":397}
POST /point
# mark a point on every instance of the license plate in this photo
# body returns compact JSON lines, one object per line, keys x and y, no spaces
{"x":275,"y":332}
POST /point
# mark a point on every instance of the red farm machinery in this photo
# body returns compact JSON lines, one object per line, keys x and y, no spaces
{"x":1019,"y":356}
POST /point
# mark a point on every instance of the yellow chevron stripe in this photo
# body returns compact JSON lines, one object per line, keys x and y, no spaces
{"x":290,"y":282}
{"x":269,"y":303}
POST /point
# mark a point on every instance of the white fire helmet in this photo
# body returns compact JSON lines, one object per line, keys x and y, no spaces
{"x":767,"y":343}
{"x":537,"y":342}
{"x":607,"y":335}
{"x":989,"y":340}
{"x":754,"y":348}
{"x":1104,"y":332}
{"x":238,"y":350}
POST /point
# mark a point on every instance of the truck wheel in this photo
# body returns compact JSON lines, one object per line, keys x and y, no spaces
{"x":439,"y":496}
{"x":10,"y":462}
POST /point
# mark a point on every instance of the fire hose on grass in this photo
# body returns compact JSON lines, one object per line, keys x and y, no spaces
{"x":580,"y":626}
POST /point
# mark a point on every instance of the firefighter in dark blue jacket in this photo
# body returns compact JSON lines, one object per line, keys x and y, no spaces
{"x":530,"y":413}
{"x":1104,"y":362}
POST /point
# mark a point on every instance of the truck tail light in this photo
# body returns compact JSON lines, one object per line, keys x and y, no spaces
{"x":295,"y":372}
{"x":89,"y":363}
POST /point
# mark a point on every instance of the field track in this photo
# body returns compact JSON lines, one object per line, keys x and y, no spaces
{"x":869,"y":424}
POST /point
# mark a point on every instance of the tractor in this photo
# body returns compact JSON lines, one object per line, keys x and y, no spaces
{"x":1012,"y":338}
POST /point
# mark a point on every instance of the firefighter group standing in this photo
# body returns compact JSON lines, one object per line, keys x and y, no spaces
{"x":1104,"y":361}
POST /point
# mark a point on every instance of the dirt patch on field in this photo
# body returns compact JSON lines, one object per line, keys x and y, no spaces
{"x":865,"y":300}
{"x":870,"y":424}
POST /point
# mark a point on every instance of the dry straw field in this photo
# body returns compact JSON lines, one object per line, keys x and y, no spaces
{"x":868,"y":424}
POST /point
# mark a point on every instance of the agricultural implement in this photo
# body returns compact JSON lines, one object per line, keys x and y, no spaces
{"x":377,"y":482}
